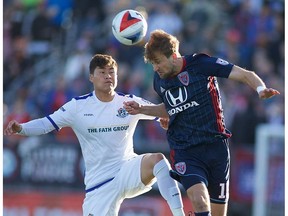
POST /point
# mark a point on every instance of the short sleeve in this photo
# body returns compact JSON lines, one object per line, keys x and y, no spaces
{"x":212,"y":66}
{"x":63,"y":117}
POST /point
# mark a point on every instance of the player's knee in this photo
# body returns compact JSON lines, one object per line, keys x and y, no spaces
{"x":155,"y":162}
{"x":151,"y":159}
{"x":156,"y":157}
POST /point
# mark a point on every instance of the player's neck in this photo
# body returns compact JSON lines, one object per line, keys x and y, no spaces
{"x":178,"y":66}
{"x":104,"y":96}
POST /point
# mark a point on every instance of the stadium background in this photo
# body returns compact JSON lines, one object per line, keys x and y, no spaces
{"x":47,"y":46}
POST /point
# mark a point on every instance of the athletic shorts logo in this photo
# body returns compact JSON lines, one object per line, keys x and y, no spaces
{"x":180,"y":167}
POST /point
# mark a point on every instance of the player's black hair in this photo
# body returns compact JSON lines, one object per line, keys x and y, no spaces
{"x":101,"y":61}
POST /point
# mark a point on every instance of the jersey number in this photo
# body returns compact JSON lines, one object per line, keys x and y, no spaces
{"x":223,"y":191}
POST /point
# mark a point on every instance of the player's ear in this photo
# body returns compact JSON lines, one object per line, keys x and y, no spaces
{"x":91,"y":77}
{"x":174,"y":55}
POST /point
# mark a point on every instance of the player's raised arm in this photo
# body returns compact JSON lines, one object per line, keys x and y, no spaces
{"x":253,"y":80}
{"x":133,"y":108}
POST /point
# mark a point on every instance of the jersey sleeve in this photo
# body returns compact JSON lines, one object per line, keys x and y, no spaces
{"x":36,"y":127}
{"x":63,"y":117}
{"x":212,"y":66}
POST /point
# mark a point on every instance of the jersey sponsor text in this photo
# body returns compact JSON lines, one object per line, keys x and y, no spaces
{"x":108,"y":129}
{"x":182,"y":108}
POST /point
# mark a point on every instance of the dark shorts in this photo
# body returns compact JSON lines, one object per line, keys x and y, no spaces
{"x":208,"y":164}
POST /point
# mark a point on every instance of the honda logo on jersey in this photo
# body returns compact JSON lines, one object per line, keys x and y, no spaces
{"x":175,"y":97}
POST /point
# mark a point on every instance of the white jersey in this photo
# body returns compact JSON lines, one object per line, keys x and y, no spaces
{"x":105,"y":132}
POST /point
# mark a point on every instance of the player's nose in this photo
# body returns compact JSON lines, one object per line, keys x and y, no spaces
{"x":155,"y":68}
{"x":108,"y":76}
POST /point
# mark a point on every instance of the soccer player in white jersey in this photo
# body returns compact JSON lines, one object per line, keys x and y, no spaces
{"x":105,"y":133}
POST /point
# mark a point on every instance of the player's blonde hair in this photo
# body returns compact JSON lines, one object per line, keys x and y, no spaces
{"x":101,"y":60}
{"x":160,"y":42}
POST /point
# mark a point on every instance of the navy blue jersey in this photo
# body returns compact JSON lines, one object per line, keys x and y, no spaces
{"x":192,"y":100}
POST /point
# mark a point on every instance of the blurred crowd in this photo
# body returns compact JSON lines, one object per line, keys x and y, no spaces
{"x":48,"y":45}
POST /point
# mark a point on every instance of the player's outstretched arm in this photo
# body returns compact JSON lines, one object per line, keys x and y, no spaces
{"x":253,"y":80}
{"x":133,"y":108}
{"x":31,"y":128}
{"x":13,"y":127}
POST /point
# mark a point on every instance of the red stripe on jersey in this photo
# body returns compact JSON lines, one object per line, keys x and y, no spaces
{"x":172,"y":158}
{"x":183,"y":64}
{"x":217,"y":106}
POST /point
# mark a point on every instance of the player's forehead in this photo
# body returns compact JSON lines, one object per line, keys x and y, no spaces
{"x":106,"y":67}
{"x":158,"y":57}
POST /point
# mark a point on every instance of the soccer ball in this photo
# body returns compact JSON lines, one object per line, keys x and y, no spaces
{"x":129,"y":27}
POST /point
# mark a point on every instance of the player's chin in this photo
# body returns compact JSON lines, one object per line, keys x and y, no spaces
{"x":163,"y":76}
{"x":109,"y":86}
{"x":108,"y":89}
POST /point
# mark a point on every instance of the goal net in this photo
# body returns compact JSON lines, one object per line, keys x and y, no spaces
{"x":269,"y":171}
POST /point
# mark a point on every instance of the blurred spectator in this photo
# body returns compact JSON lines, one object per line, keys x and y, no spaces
{"x":275,"y":45}
{"x":58,"y":95}
{"x":160,"y":15}
{"x":275,"y":113}
{"x":19,"y":65}
{"x":201,"y":19}
{"x":16,"y":17}
{"x":249,"y":114}
{"x":59,"y":9}
{"x":87,"y":8}
{"x":42,"y":31}
{"x":78,"y":63}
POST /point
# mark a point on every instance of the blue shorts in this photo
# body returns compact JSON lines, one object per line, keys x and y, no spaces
{"x":205,"y":163}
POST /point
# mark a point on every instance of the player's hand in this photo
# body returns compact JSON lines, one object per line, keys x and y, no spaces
{"x":164,"y":123}
{"x":132,"y":107}
{"x":268,"y":93}
{"x":12,"y":128}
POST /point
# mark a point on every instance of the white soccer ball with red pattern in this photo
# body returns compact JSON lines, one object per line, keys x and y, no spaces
{"x":129,"y":27}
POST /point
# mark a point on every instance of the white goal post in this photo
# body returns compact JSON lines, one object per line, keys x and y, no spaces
{"x":264,"y":134}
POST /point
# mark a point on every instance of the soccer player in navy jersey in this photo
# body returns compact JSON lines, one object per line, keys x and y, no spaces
{"x":196,"y":134}
{"x":113,"y":171}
